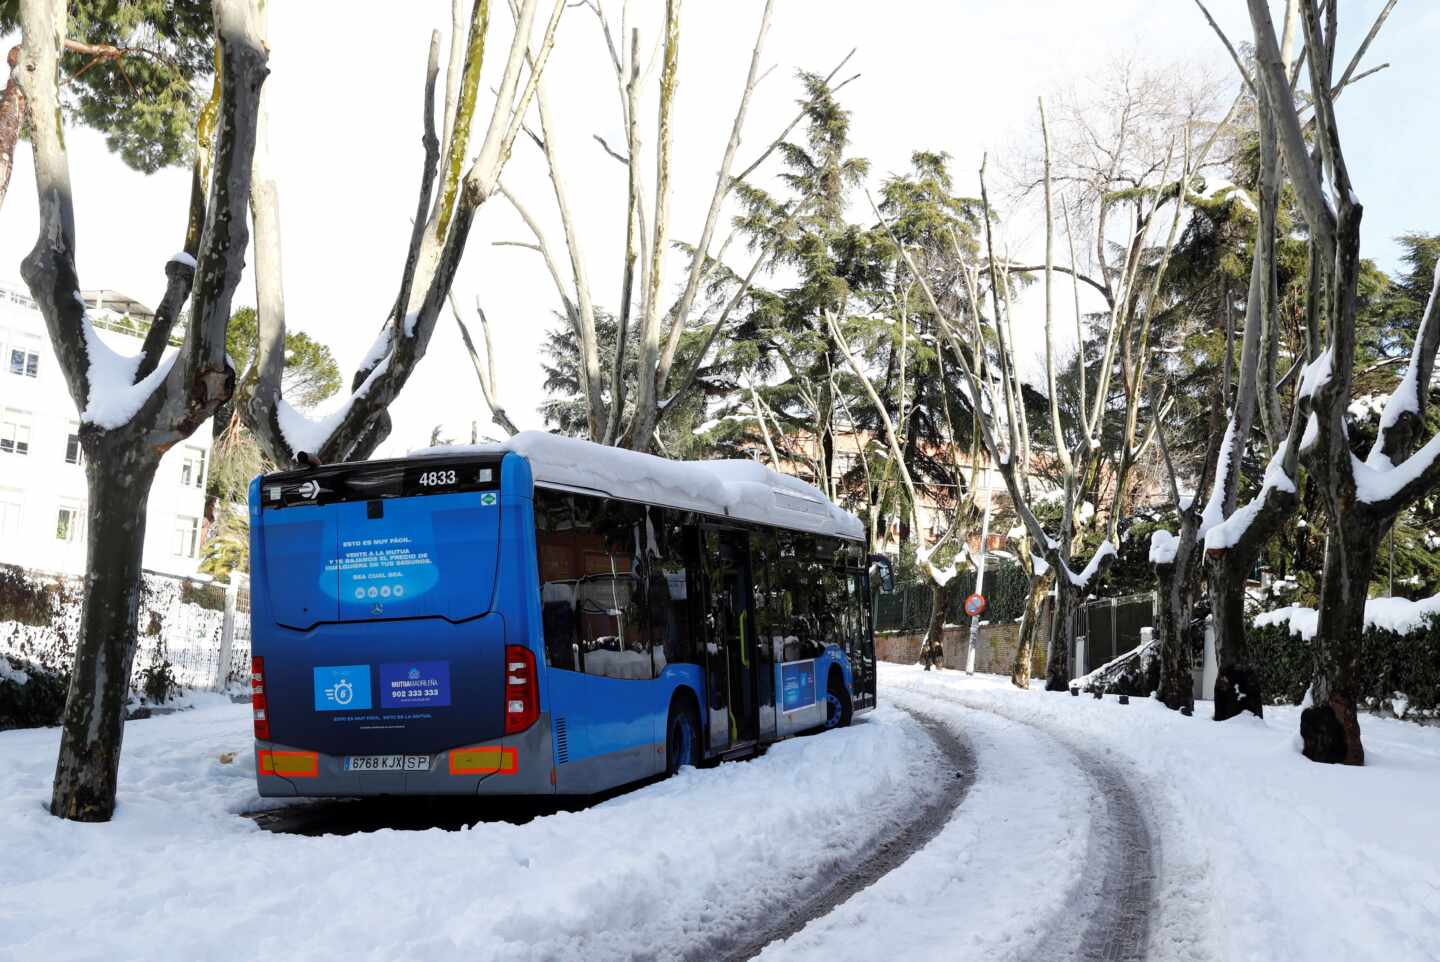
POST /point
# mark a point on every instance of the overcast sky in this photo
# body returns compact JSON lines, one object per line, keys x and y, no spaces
{"x":959,"y":76}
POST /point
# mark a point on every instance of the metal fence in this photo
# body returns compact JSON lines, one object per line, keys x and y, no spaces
{"x":197,"y":631}
{"x":1111,"y":626}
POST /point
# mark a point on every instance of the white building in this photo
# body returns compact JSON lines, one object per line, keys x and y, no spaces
{"x":42,"y":482}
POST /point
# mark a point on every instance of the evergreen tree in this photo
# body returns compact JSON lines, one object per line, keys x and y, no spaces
{"x":790,"y":355}
{"x":138,"y":71}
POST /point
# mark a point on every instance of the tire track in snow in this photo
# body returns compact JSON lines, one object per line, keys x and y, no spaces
{"x":1115,"y":893}
{"x":1107,"y":913}
{"x":956,"y":775}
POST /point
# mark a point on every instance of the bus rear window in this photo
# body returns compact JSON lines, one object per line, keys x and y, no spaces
{"x":381,"y":541}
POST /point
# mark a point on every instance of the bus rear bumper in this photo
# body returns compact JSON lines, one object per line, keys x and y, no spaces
{"x":519,"y":764}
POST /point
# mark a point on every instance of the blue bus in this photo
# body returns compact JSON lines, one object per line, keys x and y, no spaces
{"x":547,"y":616}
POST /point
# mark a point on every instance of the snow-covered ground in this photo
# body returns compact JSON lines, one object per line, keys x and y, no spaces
{"x":1261,"y":855}
{"x":179,"y":874}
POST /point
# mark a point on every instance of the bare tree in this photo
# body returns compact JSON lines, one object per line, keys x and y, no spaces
{"x":442,"y":226}
{"x":1233,"y":548}
{"x":1131,"y":305}
{"x":957,"y":530}
{"x":1177,"y":564}
{"x":1234,"y":538}
{"x":133,"y":409}
{"x":1362,"y":498}
{"x":485,"y":371}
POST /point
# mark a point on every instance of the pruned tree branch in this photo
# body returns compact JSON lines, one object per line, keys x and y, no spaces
{"x":484,"y":373}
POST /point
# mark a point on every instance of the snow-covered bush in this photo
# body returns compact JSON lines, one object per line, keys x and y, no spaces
{"x":1399,"y":664}
{"x":30,"y":696}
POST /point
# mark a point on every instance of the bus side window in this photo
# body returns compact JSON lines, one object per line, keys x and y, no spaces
{"x":611,"y":537}
{"x":557,"y":554}
{"x":668,"y":591}
{"x":794,"y":591}
{"x":767,"y":629}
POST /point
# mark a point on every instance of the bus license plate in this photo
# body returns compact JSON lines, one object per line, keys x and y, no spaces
{"x":387,"y":763}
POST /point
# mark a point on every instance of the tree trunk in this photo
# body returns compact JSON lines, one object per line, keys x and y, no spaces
{"x":1176,"y":588}
{"x":1237,"y":685}
{"x":1058,"y":671}
{"x":12,"y":109}
{"x":1176,"y":689}
{"x":1029,"y":625}
{"x":1330,"y":729}
{"x":932,"y":649}
{"x":118,"y":474}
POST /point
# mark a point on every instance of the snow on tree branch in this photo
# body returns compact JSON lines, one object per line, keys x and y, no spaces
{"x":1163,"y":546}
{"x":114,"y":396}
{"x":1227,"y":533}
{"x":1097,"y":561}
{"x":1408,"y":398}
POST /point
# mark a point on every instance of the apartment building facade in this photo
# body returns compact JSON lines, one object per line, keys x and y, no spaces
{"x":42,"y":474}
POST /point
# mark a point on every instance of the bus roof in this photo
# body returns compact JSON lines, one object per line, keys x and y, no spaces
{"x":746,"y":490}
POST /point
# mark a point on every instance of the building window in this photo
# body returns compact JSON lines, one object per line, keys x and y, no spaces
{"x":73,"y":452}
{"x":14,"y":433}
{"x":192,"y":469}
{"x":187,"y":536}
{"x":24,"y":362}
{"x":9,"y":518}
{"x":68,"y":523}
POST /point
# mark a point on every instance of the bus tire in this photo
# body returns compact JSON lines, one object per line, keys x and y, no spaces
{"x":682,"y":737}
{"x":838,"y":709}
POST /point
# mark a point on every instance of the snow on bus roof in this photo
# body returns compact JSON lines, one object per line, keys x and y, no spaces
{"x":746,"y":490}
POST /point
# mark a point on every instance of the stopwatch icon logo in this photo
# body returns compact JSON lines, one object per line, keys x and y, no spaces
{"x":344,"y":692}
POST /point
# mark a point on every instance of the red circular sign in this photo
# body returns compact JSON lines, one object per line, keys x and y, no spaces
{"x":975,"y":605}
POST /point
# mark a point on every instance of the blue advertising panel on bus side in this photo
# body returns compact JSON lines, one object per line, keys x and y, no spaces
{"x":797,"y":685}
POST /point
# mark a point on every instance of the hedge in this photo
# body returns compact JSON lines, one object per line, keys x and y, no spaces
{"x":908,"y":606}
{"x":1391,"y":664}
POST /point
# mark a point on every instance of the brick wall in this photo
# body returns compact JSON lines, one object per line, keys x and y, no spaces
{"x":994,"y":648}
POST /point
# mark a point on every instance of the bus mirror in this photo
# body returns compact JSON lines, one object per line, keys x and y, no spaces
{"x":881,"y":566}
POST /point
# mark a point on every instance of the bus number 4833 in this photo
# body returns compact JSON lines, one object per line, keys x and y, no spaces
{"x":432,"y":478}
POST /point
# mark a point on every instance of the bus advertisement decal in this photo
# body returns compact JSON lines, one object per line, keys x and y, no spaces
{"x":342,"y":687}
{"x":797,"y":685}
{"x":384,"y":569}
{"x":415,"y":684}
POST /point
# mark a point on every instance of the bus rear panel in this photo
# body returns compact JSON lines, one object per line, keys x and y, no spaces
{"x":390,"y":630}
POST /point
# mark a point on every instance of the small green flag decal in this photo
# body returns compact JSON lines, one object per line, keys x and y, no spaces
{"x":488,"y":498}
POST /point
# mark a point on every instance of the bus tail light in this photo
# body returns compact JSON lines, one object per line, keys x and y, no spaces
{"x":257,"y":698}
{"x":522,"y":694}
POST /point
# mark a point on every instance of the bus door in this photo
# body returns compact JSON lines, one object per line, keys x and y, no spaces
{"x":730,"y":659}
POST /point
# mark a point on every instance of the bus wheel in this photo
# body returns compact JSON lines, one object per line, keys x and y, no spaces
{"x":837,"y":704}
{"x":681,"y":738}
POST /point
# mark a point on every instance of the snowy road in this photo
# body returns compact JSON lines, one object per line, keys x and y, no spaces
{"x":955,"y":777}
{"x":1049,"y":857}
{"x":1105,"y":914}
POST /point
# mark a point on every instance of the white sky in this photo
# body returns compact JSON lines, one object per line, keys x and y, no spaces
{"x":959,"y":76}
